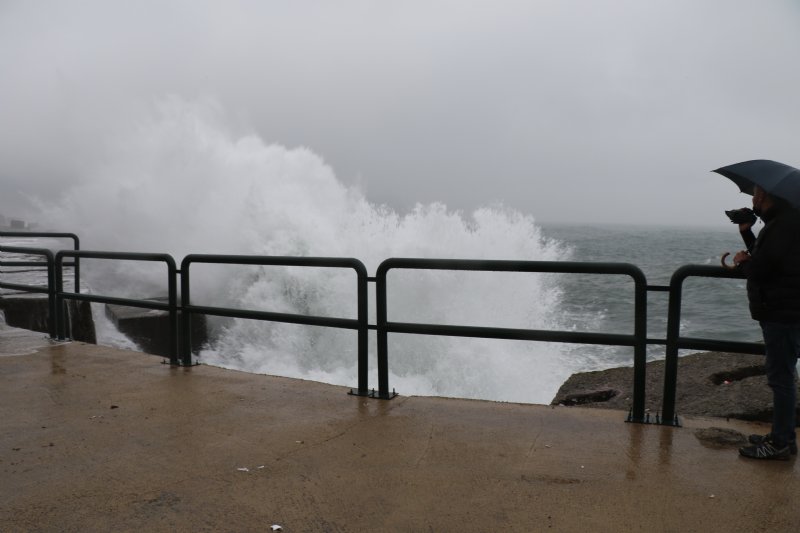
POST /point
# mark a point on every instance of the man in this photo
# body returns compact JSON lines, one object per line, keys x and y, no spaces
{"x":772,"y":268}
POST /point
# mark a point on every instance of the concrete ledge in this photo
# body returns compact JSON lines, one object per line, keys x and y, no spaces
{"x":98,"y":439}
{"x":18,"y":341}
{"x":150,"y":328}
{"x":32,"y":312}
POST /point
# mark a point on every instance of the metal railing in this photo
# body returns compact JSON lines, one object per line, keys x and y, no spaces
{"x":675,"y":342}
{"x":638,"y":340}
{"x":76,"y":245}
{"x":172,"y":300}
{"x":360,"y":324}
{"x":180,"y":331}
{"x":51,"y":286}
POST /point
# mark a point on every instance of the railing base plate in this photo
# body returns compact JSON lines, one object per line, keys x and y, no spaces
{"x":179,"y":363}
{"x":675,"y":422}
{"x":373,"y":394}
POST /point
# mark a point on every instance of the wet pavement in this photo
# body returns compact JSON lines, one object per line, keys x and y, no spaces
{"x":100,"y":439}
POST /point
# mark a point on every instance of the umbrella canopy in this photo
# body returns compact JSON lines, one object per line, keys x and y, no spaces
{"x":775,"y":178}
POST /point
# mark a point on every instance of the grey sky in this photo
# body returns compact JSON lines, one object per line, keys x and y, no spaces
{"x":569,"y":110}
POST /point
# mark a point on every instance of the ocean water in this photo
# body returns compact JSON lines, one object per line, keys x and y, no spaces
{"x":182,"y":181}
{"x":712,"y":308}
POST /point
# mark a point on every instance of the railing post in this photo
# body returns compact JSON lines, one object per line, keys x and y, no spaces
{"x":173,"y":312}
{"x":671,"y":359}
{"x":77,"y":262}
{"x":59,"y":299}
{"x":640,"y":348}
{"x":185,"y":344}
{"x":363,"y":334}
{"x":51,"y":296}
{"x":383,"y":338}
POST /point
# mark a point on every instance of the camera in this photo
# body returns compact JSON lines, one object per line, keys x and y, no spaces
{"x":741,"y":216}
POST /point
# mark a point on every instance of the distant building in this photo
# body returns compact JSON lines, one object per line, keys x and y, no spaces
{"x":18,"y":224}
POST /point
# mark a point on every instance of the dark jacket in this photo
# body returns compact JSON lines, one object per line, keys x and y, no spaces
{"x":773,"y":271}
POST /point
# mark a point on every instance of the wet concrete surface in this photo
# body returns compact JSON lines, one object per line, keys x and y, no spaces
{"x":99,"y":439}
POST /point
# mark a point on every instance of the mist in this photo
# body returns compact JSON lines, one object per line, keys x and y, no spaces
{"x":571,"y":111}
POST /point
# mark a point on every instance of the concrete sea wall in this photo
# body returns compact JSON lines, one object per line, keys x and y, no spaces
{"x":32,"y":313}
{"x":149,"y":329}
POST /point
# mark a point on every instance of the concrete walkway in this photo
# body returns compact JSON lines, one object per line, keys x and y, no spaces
{"x":99,"y":439}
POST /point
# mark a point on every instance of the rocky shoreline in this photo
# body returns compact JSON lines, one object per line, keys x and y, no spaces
{"x":718,"y":384}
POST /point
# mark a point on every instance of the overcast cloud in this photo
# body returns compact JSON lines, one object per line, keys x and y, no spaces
{"x":589,"y":111}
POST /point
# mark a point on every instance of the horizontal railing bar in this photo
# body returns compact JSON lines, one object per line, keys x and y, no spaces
{"x":289,"y":318}
{"x":691,"y":343}
{"x":24,"y":288}
{"x":512,"y":333}
{"x":121,"y":256}
{"x":705,"y":271}
{"x":497,"y":265}
{"x":712,"y":345}
{"x":658,"y":288}
{"x":28,"y":263}
{"x":114,"y":300}
{"x":25,"y":250}
{"x":256,"y":260}
{"x":38,"y":234}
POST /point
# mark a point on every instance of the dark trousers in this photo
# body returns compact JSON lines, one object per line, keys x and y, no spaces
{"x":782,"y":342}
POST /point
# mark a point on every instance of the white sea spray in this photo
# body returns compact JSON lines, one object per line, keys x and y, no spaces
{"x":182,"y":181}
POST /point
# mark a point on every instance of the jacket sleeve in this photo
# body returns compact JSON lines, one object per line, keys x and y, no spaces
{"x":767,"y":259}
{"x":749,"y":239}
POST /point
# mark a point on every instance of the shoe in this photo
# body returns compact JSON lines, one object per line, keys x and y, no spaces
{"x":765,"y":450}
{"x":758,"y":439}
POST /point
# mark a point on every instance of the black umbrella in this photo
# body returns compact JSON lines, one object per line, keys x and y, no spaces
{"x":775,"y":178}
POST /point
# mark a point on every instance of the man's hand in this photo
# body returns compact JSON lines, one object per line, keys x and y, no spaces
{"x":741,"y":257}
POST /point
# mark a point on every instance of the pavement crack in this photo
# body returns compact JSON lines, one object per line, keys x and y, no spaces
{"x":322,"y":442}
{"x":532,"y":447}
